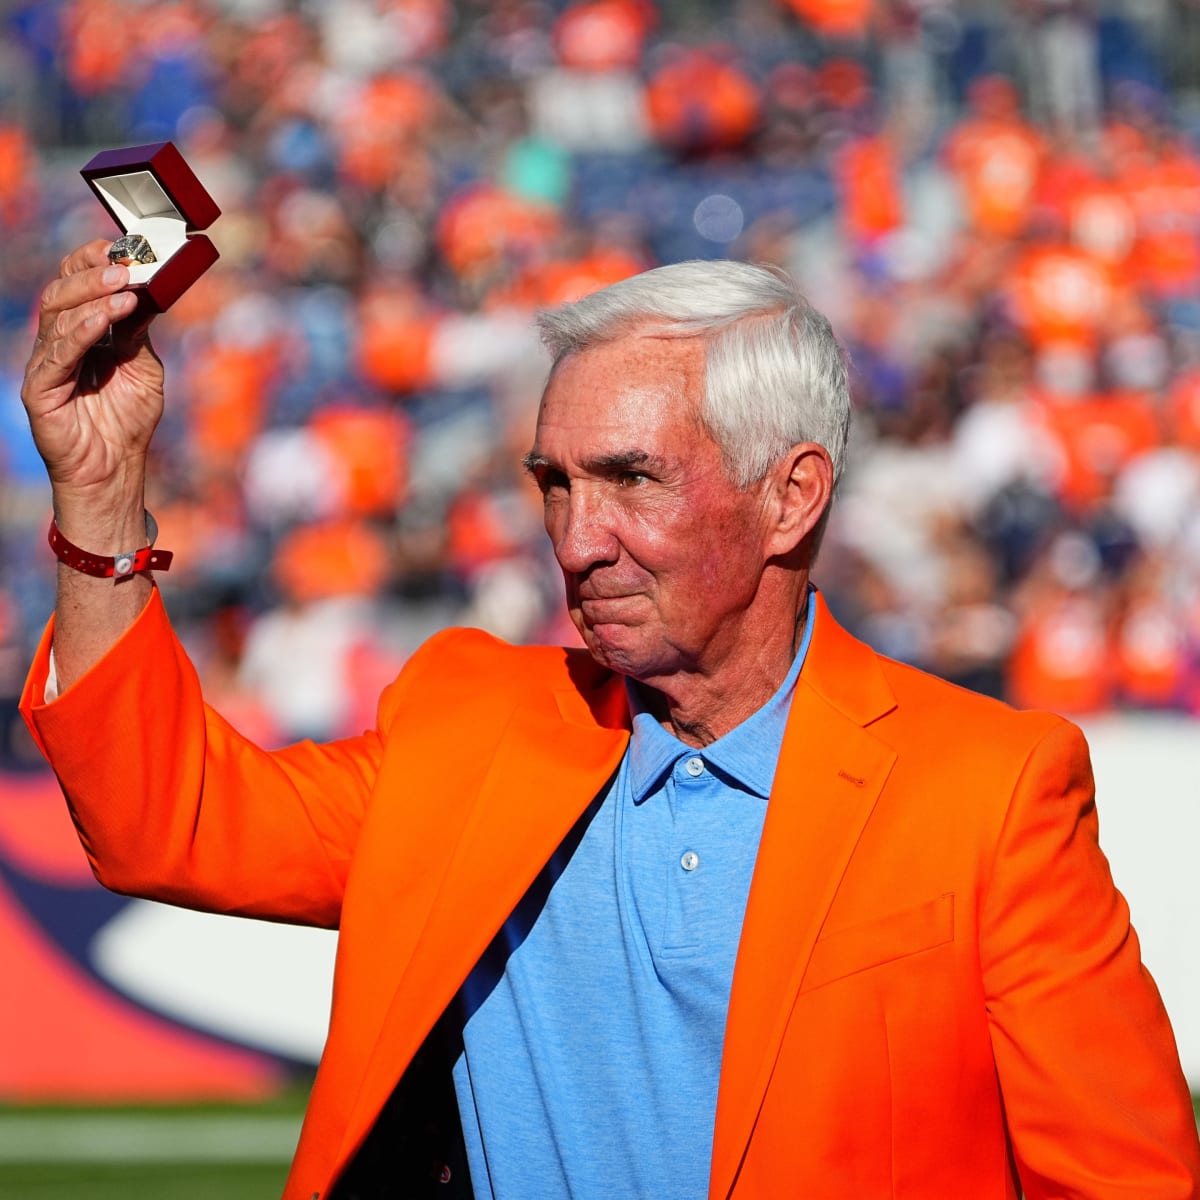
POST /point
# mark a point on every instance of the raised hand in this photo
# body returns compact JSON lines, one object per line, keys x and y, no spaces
{"x":93,"y":391}
{"x":93,"y":387}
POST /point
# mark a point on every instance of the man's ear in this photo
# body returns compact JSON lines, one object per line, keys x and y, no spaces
{"x":803,"y":490}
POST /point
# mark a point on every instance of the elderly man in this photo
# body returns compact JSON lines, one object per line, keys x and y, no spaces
{"x":726,"y":905}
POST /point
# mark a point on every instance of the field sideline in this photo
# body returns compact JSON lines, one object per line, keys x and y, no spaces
{"x":169,"y":1152}
{"x":166,"y":1153}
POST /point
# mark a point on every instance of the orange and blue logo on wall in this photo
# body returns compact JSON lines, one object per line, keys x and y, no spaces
{"x":107,"y":998}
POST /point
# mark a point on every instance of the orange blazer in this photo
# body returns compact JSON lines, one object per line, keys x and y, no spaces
{"x":937,"y":994}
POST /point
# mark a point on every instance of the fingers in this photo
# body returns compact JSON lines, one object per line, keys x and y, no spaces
{"x":84,"y":275}
{"x":66,"y":333}
{"x":90,"y":405}
{"x":87,"y":277}
{"x":131,"y":332}
{"x":93,"y":254}
{"x":83,"y":284}
{"x":77,"y":309}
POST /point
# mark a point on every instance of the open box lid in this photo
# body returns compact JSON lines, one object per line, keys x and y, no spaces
{"x":140,"y":183}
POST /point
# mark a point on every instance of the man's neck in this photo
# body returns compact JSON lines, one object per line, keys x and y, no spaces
{"x":700,"y":706}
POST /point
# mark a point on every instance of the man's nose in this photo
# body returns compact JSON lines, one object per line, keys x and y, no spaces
{"x":586,"y":536}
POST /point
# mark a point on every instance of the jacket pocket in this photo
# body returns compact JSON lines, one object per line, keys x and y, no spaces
{"x":854,"y":948}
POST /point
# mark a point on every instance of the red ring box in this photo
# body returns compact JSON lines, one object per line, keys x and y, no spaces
{"x":152,"y":191}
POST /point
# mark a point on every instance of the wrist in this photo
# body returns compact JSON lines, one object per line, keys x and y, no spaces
{"x":82,"y":485}
{"x":105,"y":521}
{"x":138,"y":557}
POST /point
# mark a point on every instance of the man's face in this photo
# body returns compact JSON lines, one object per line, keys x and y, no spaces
{"x":661,"y":553}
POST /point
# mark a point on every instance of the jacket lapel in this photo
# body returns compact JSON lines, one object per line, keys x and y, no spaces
{"x":830,"y":773}
{"x":553,"y":757}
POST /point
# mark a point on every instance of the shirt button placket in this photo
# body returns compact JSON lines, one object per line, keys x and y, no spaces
{"x":689,"y":860}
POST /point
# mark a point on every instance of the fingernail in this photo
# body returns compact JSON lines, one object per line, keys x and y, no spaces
{"x":120,"y":301}
{"x":113,"y":275}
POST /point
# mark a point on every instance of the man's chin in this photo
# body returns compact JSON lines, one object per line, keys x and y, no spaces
{"x":604,"y":641}
{"x":620,"y":649}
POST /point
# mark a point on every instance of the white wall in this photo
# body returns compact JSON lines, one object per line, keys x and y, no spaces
{"x":1148,"y":797}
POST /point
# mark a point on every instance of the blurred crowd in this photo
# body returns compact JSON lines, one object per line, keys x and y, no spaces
{"x":997,"y":204}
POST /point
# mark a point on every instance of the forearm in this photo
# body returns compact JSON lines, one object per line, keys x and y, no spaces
{"x":93,"y":391}
{"x":91,"y":613}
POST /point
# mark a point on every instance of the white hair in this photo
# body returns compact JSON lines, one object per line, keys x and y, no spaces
{"x":774,"y":373}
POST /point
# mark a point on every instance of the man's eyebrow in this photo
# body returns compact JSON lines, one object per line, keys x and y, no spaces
{"x":604,"y":464}
{"x":625,"y":460}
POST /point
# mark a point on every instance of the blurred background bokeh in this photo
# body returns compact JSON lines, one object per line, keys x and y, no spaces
{"x":997,"y":204}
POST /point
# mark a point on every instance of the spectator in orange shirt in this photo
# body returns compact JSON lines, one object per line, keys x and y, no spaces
{"x":1062,"y":659}
{"x":603,"y":35}
{"x":868,"y":180}
{"x":18,"y":176}
{"x":700,"y":101}
{"x":1150,"y":645}
{"x":369,"y":450}
{"x":1164,"y":192}
{"x":1095,"y":429}
{"x":396,"y":328}
{"x":563,"y":279}
{"x":96,"y":47}
{"x":996,"y":156}
{"x":1058,"y":294}
{"x":1080,"y":195}
{"x":485,"y":232}
{"x":1182,"y":409}
{"x":386,"y":121}
{"x":835,"y":20}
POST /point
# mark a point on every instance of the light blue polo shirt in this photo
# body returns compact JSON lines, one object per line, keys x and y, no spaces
{"x":595,"y":1021}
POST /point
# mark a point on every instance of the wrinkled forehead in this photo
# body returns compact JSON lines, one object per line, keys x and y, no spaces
{"x":627,"y":381}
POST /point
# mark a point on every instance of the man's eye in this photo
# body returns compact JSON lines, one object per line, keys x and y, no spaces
{"x":552,"y":481}
{"x":629,"y":479}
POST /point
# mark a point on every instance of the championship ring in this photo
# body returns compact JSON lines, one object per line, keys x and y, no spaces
{"x":131,"y":248}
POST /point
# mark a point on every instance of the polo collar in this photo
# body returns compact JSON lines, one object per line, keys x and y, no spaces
{"x":745,"y":756}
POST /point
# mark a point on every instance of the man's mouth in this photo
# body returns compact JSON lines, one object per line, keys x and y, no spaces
{"x":598,"y":609}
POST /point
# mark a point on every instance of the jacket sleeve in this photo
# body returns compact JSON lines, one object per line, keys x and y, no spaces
{"x":172,"y":804}
{"x":1094,"y":1096}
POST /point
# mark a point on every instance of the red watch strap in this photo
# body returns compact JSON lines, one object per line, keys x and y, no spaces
{"x":105,"y":566}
